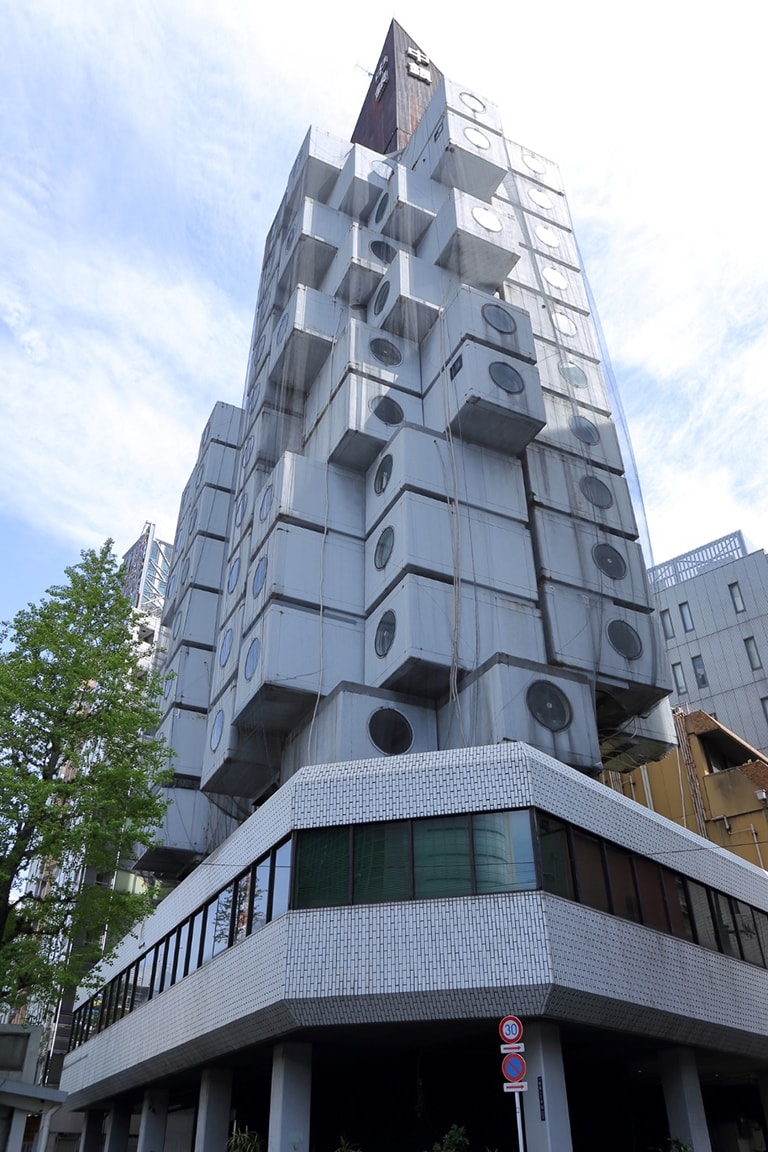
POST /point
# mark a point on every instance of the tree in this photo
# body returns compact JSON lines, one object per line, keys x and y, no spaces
{"x":80,"y":778}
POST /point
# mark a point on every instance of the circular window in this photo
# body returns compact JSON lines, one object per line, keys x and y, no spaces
{"x":184,"y":498}
{"x":226,"y":648}
{"x":260,"y":346}
{"x":290,"y":238}
{"x":610,"y":561}
{"x":383,"y":251}
{"x":384,"y":546}
{"x":624,"y":639}
{"x":386,"y":409}
{"x":171,"y":587}
{"x":474,"y":103}
{"x":206,"y":434}
{"x":217,"y":730}
{"x":385,"y":633}
{"x":555,"y":278}
{"x":476,"y":137}
{"x":499,"y":319}
{"x":198,"y":476}
{"x":259,"y":576}
{"x":252,"y":658}
{"x":167,"y":687}
{"x":564,"y":324}
{"x":234,"y":572}
{"x":533,"y":164}
{"x":383,"y":473}
{"x":266,"y":501}
{"x":487,"y":219}
{"x":381,"y":298}
{"x":254,"y":397}
{"x":192,"y":523}
{"x":547,"y":236}
{"x":386,"y":352}
{"x":596,"y":491}
{"x":177,"y":624}
{"x":584,"y":430}
{"x":572,"y":373}
{"x":390,"y":731}
{"x":282,"y":328}
{"x":381,"y":208}
{"x":539,"y":198}
{"x":506,"y":377}
{"x":248,"y":450}
{"x":185,"y":571}
{"x":549,"y":705}
{"x":240,"y":508}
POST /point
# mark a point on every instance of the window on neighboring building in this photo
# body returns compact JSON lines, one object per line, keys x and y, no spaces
{"x":699,"y":672}
{"x":736,"y":597}
{"x":666,"y":624}
{"x":679,"y":678}
{"x":752,"y":653}
{"x":685,"y":616}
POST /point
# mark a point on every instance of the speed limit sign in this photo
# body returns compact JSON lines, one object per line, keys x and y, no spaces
{"x":510,"y":1029}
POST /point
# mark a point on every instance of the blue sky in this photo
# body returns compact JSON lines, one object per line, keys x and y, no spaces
{"x":144,"y":151}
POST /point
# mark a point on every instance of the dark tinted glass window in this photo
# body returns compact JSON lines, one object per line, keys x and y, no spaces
{"x":503,"y":850}
{"x":677,"y":905}
{"x":322,"y":868}
{"x":701,"y":915}
{"x":726,"y":925}
{"x":591,"y":887}
{"x":653,"y":906}
{"x":441,"y":862}
{"x":747,"y":930}
{"x":382,"y":862}
{"x":621,"y":878}
{"x":281,"y":881}
{"x":555,"y":859}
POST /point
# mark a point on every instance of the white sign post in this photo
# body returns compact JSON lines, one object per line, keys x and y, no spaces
{"x":513,"y":1067}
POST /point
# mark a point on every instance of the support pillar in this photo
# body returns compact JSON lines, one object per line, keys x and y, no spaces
{"x":545,"y":1104}
{"x":118,"y":1127}
{"x":16,"y":1126}
{"x":90,"y":1137}
{"x":154,"y":1113}
{"x":212,"y":1129}
{"x":682,"y":1096}
{"x":290,"y":1100}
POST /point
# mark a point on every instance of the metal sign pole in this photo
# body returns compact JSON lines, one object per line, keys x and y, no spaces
{"x":518,"y":1111}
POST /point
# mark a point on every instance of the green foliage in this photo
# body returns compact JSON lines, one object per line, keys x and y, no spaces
{"x":455,"y":1140}
{"x":242,"y":1140}
{"x":79,"y":778}
{"x":346,"y":1146}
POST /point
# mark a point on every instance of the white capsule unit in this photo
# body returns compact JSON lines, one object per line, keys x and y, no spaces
{"x":215,"y":467}
{"x":223,"y":425}
{"x":207,"y":516}
{"x":235,"y":576}
{"x":469,"y":103}
{"x":532,"y":166}
{"x":201,"y":567}
{"x":461,"y":154}
{"x":582,"y":555}
{"x":640,"y":739}
{"x":273,"y":432}
{"x":425,"y":462}
{"x":407,"y":206}
{"x":184,"y":731}
{"x":194,"y":621}
{"x":358,"y":267}
{"x":312,"y":493}
{"x":572,"y":375}
{"x":478,"y":242}
{"x":544,"y":276}
{"x":568,"y":484}
{"x":424,"y":628}
{"x":487,"y":398}
{"x":312,"y":239}
{"x":409,"y":298}
{"x":357,"y":724}
{"x":551,"y":709}
{"x":224,"y":659}
{"x":539,"y":200}
{"x":473,"y":315}
{"x":366,"y":350}
{"x":238,"y":761}
{"x":556,"y":321}
{"x":301,"y":566}
{"x":360,"y":419}
{"x":187,"y":678}
{"x":576,"y":429}
{"x":446,"y":540}
{"x":303,"y":337}
{"x":549,"y":240}
{"x":316,"y":168}
{"x":182,"y":838}
{"x":359,"y":185}
{"x":291,"y":657}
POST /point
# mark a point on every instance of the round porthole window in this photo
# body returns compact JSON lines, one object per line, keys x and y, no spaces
{"x":169,"y":592}
{"x":383,"y":251}
{"x":259,"y":576}
{"x":499,"y":319}
{"x":217,"y":730}
{"x":176,"y":624}
{"x":387,"y":410}
{"x":184,"y":498}
{"x":252,"y":658}
{"x":596,"y":491}
{"x":564,"y":324}
{"x":234,"y":572}
{"x":487,"y":219}
{"x":609,"y":561}
{"x":254,"y":397}
{"x":381,"y":298}
{"x":259,"y":349}
{"x":474,"y":103}
{"x":198,"y":476}
{"x":240,"y":508}
{"x":282,"y":328}
{"x":185,"y":571}
{"x":385,"y":352}
{"x":547,"y":236}
{"x":385,"y":633}
{"x":383,"y":473}
{"x":555,"y":278}
{"x":533,"y":164}
{"x":572,"y":373}
{"x":248,"y":450}
{"x":477,"y":138}
{"x":266,"y":501}
{"x":625,"y":639}
{"x":506,"y":377}
{"x":390,"y":731}
{"x":540,"y":199}
{"x":226,"y":648}
{"x":584,"y":430}
{"x":381,"y":208}
{"x":206,"y":434}
{"x":549,"y":705}
{"x":167,"y":685}
{"x":192,"y":523}
{"x":384,"y":546}
{"x":290,"y":238}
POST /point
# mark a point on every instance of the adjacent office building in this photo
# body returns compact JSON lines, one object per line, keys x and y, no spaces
{"x":409,"y":621}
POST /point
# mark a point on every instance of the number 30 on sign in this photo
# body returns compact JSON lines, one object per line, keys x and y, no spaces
{"x":510,"y":1029}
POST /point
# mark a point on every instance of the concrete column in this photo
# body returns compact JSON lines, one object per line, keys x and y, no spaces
{"x":289,"y":1105}
{"x":545,"y":1104}
{"x":762,"y":1088}
{"x":212,"y":1127}
{"x":154,"y":1112}
{"x":118,"y":1126}
{"x":15,"y":1129}
{"x":682,"y":1096}
{"x":90,"y":1137}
